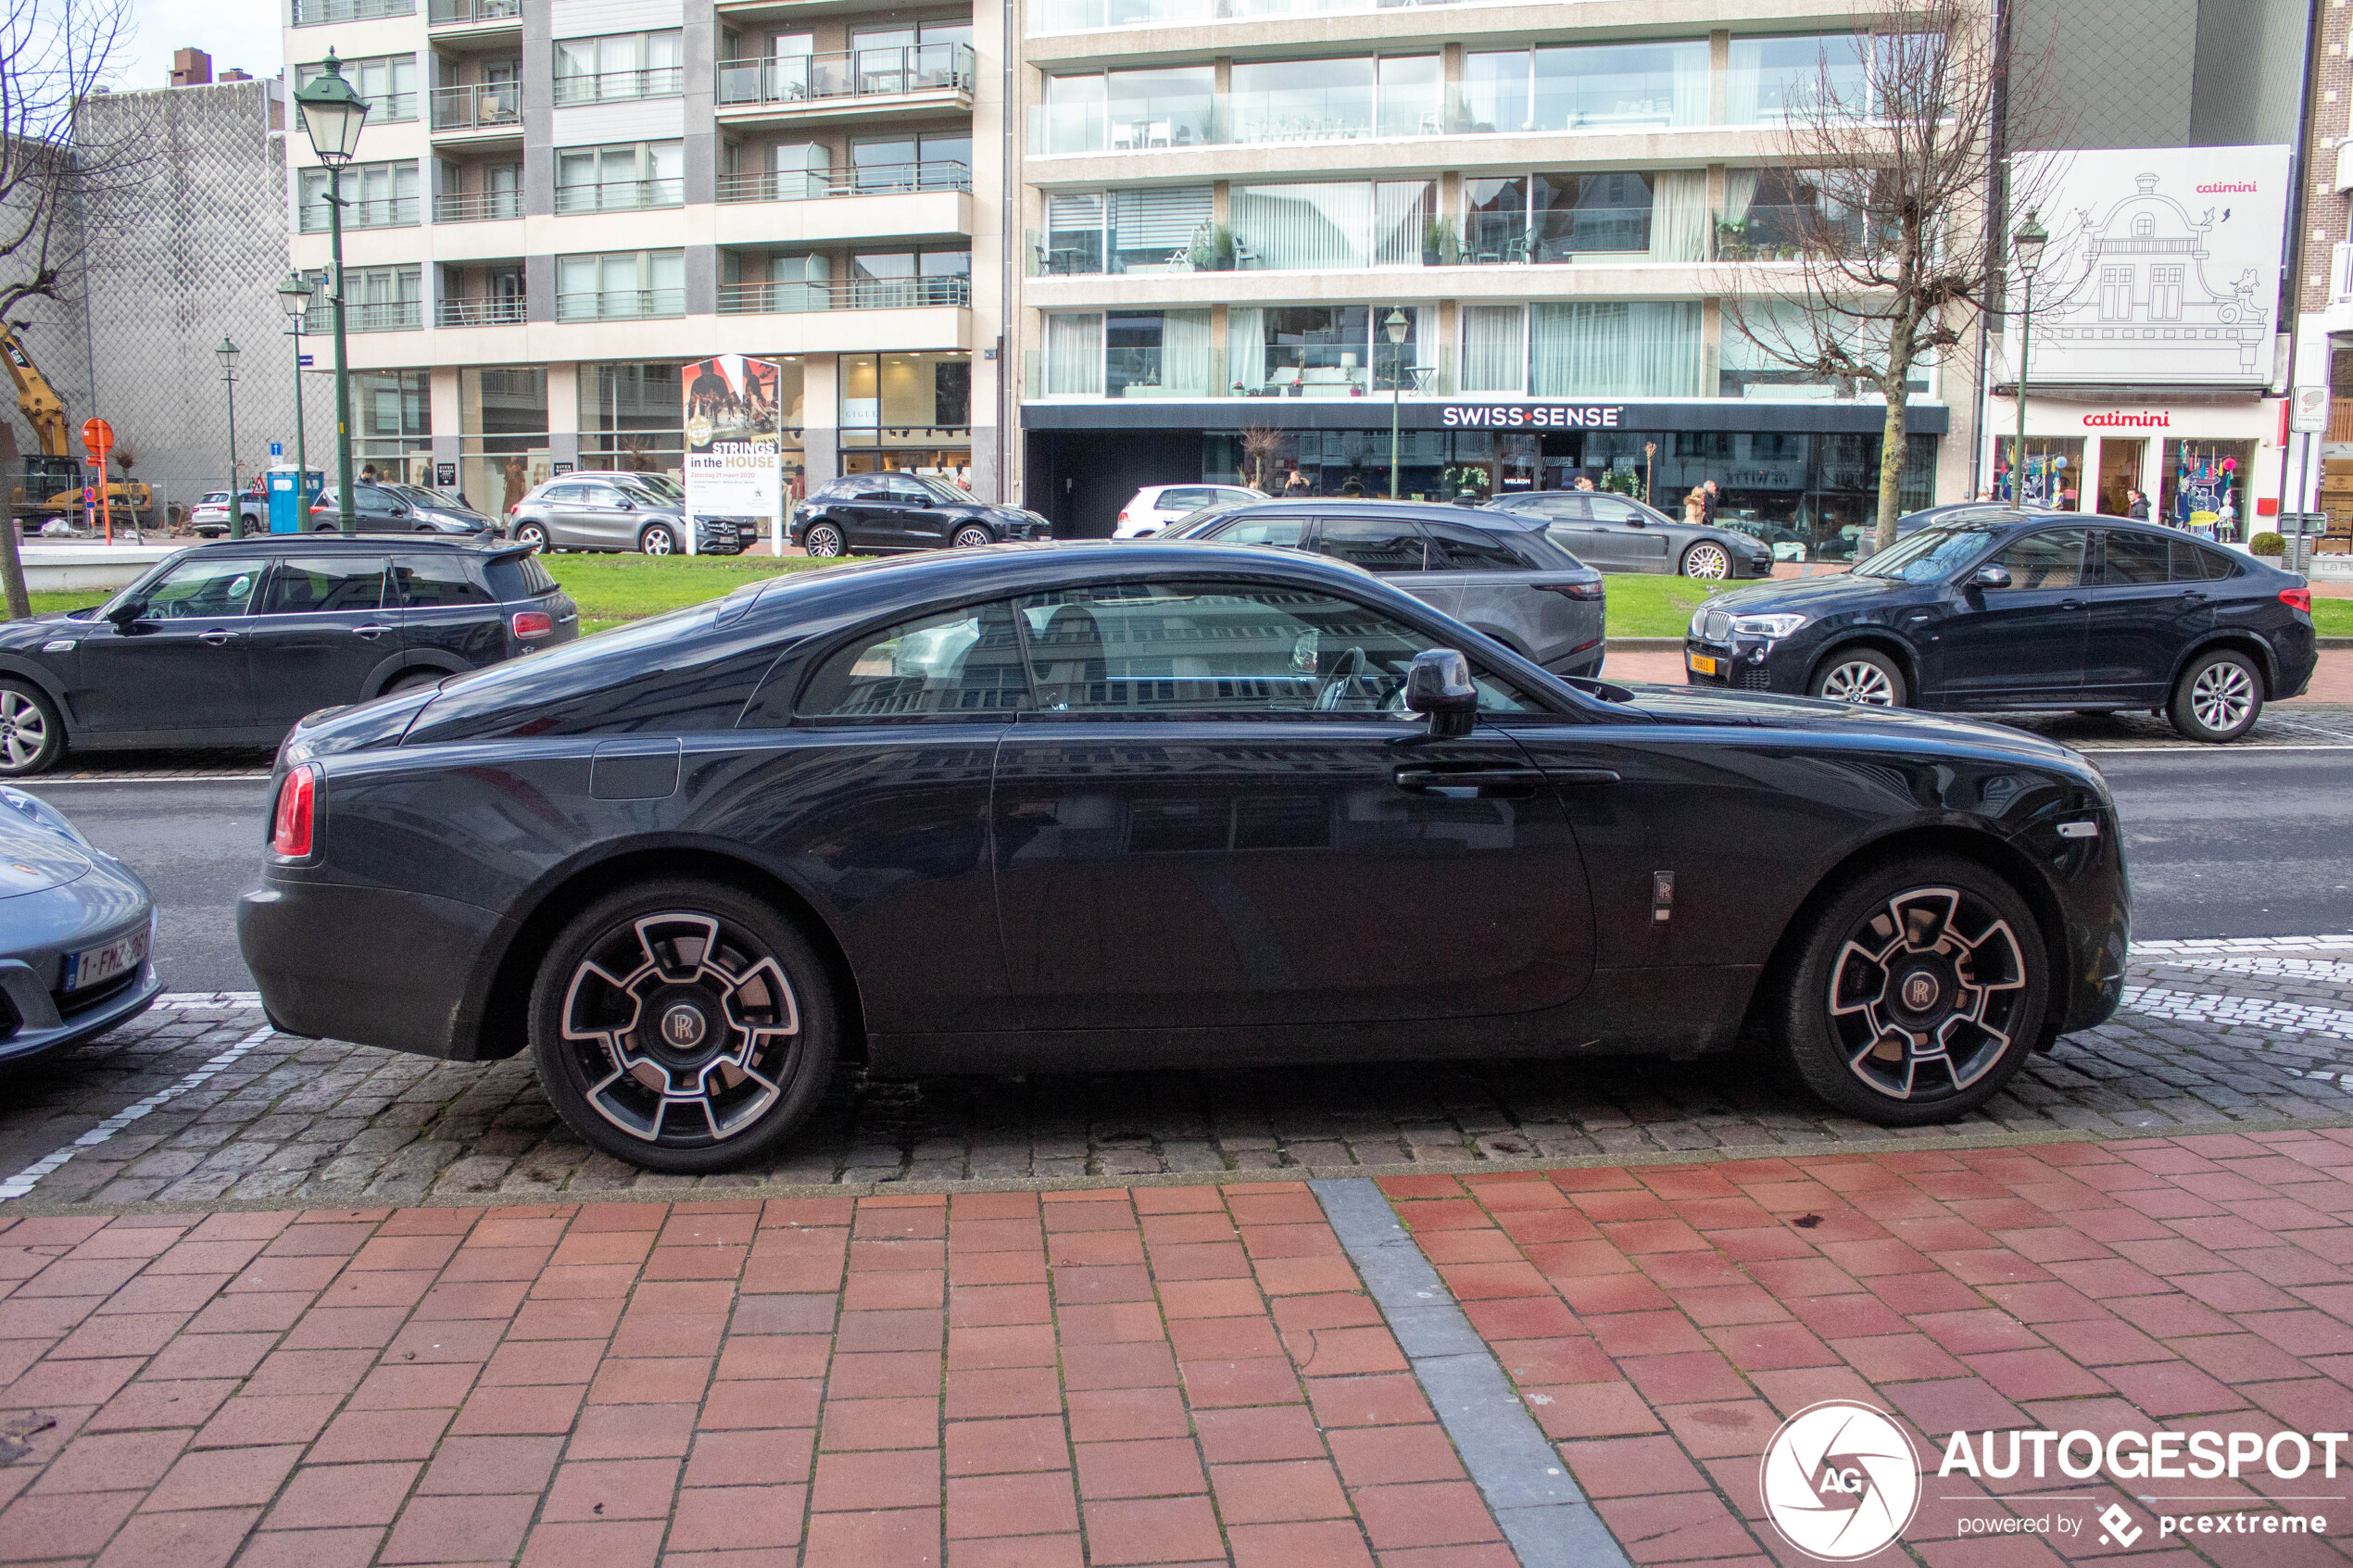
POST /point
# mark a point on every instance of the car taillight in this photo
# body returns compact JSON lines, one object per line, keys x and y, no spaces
{"x":1593,"y":590}
{"x":297,"y":803}
{"x":1123,"y":516}
{"x":2297,"y":598}
{"x":531,"y":623}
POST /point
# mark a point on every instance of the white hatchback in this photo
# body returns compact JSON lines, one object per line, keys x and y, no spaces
{"x":1156,"y":506}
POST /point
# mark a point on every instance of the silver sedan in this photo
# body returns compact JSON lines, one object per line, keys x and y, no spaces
{"x":77,"y":934}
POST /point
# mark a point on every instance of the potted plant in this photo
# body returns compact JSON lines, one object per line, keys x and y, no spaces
{"x":1213,"y":249}
{"x":2266,"y":547}
{"x":1440,"y":245}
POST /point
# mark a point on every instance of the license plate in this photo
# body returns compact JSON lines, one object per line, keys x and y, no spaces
{"x":1701,"y":664}
{"x":96,"y":966}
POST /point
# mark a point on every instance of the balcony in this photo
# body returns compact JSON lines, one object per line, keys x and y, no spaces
{"x":392,"y":315}
{"x":617,"y":86}
{"x":1053,"y":17}
{"x":392,"y":212}
{"x":478,"y":312}
{"x":930,"y":74}
{"x":314,"y":13}
{"x":621,"y":196}
{"x":843,"y":294}
{"x":477,"y":108}
{"x":482,"y":17}
{"x":893,"y":179}
{"x":1175,"y":375}
{"x":477,"y":206}
{"x":620,"y":304}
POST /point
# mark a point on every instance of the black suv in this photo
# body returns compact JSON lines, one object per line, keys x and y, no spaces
{"x":229,"y":643}
{"x":873,"y":514}
{"x":2012,"y":611}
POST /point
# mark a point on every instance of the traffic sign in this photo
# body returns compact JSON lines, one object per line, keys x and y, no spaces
{"x":2309,"y":411}
{"x":97,"y":435}
{"x":304,"y":360}
{"x":277,"y":449}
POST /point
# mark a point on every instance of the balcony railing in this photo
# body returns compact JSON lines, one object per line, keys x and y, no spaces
{"x":311,"y":13}
{"x":471,"y":13}
{"x":852,"y":73}
{"x":385,"y":107}
{"x":393,"y":315}
{"x":1089,"y":16}
{"x":478,"y":312}
{"x":843,"y":294}
{"x":1583,"y":104}
{"x":890,"y":179}
{"x":621,"y":196}
{"x":476,"y":206}
{"x":1784,"y":232}
{"x":394,"y":212}
{"x":612,"y":86}
{"x":1175,"y":375}
{"x":482,"y":106}
{"x":620,"y":304}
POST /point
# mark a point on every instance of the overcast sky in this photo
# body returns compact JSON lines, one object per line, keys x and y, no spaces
{"x":242,"y":34}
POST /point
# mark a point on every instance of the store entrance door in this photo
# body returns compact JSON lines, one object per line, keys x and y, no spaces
{"x":2119,"y":473}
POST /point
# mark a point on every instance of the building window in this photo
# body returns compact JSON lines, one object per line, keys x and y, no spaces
{"x":1610,"y":348}
{"x":2116,"y":293}
{"x":621,"y":285}
{"x":502,"y":419}
{"x":1559,"y":218}
{"x":1606,"y":87}
{"x":388,"y":81}
{"x":1324,"y":350}
{"x":375,"y":195}
{"x":907,"y":412}
{"x":376,"y":299}
{"x":311,"y":13}
{"x":1138,"y":230}
{"x":620,"y":178}
{"x":1158,"y":354}
{"x":1494,"y":348}
{"x":1122,"y":110}
{"x":621,"y":65}
{"x":1774,"y":213}
{"x":1074,"y":355}
{"x":1323,"y":227}
{"x":2165,"y":293}
{"x":903,"y":280}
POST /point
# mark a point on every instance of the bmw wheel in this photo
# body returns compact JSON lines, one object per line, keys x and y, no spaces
{"x":822,"y":541}
{"x":531,"y":533}
{"x":658,"y":540}
{"x":31,"y":735}
{"x":2218,"y":698}
{"x":972,"y":536}
{"x":1859,"y":675}
{"x":682,"y":1026}
{"x":1708,"y":560}
{"x":1921,"y":989}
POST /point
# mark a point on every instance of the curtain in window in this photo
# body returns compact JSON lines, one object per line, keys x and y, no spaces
{"x":1740,"y":193}
{"x":1614,"y":349}
{"x":1160,"y":221}
{"x":1402,"y":212}
{"x":1187,"y":368}
{"x":1246,"y":348}
{"x":1491,"y":353}
{"x":1745,"y":82}
{"x":1074,"y":355}
{"x":1679,"y":214}
{"x":1692,"y":88}
{"x":1298,"y":228}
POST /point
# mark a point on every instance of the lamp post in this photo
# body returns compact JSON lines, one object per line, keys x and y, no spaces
{"x":331,"y":116}
{"x":295,"y":295}
{"x":2027,"y":245}
{"x":227,"y":355}
{"x":1394,"y":324}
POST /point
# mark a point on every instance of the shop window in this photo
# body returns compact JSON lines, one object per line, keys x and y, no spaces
{"x":2053,"y":473}
{"x":2202,"y":486}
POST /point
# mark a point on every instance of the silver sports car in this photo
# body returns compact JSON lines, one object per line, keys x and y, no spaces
{"x":77,"y":934}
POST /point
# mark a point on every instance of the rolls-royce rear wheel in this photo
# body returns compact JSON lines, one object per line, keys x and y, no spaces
{"x":1921,"y":989}
{"x":682,"y":1026}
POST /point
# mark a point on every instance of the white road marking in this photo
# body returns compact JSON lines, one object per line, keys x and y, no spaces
{"x":21,"y":1183}
{"x":2259,"y":1013}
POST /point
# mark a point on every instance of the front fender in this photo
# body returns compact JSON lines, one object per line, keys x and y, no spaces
{"x":46,"y":678}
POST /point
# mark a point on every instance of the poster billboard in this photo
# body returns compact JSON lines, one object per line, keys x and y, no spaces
{"x":734,"y":442}
{"x":2163,"y":267}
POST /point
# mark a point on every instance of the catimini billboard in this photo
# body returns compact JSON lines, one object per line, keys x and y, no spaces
{"x":2162,"y":270}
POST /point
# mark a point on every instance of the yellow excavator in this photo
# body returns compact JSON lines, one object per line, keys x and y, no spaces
{"x":51,"y":480}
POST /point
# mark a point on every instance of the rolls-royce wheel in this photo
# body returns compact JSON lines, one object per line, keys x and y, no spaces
{"x":682,"y":1026}
{"x":1921,"y":989}
{"x":2218,"y":698}
{"x":31,"y":734}
{"x":822,"y":541}
{"x":1707,"y":560}
{"x":972,"y":536}
{"x":1862,"y":676}
{"x":658,"y":540}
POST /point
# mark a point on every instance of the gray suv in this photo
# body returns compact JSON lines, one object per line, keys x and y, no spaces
{"x":600,"y":513}
{"x":1494,"y":572}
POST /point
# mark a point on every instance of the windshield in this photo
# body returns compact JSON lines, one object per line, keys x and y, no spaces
{"x":938,"y":488}
{"x":1193,"y":524}
{"x":660,"y":483}
{"x":1929,"y":556}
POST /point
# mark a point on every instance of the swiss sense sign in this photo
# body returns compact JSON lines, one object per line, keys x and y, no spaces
{"x":1532,"y":416}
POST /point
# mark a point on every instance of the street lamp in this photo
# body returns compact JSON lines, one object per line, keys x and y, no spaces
{"x":227,"y":355}
{"x":295,"y":295}
{"x":2027,"y":247}
{"x":331,"y":116}
{"x":1394,"y":324}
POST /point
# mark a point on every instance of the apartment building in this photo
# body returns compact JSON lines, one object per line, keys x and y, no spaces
{"x":557,"y":202}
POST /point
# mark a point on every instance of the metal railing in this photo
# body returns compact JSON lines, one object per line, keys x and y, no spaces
{"x":1178,"y":376}
{"x":476,"y":206}
{"x":1345,"y":112}
{"x":392,"y":212}
{"x":612,"y":86}
{"x":843,"y":294}
{"x":788,"y":79}
{"x":481,"y":106}
{"x":621,"y":196}
{"x":620,"y":304}
{"x":1089,"y":16}
{"x":1765,"y":233}
{"x":880,"y":180}
{"x":312,"y":13}
{"x":399,"y":314}
{"x":469,"y":13}
{"x":388,"y":107}
{"x":478,"y":312}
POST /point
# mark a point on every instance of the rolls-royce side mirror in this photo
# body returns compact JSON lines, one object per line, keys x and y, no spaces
{"x":1439,"y":684}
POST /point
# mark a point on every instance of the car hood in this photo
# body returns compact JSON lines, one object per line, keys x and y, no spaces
{"x":34,"y":858}
{"x":1699,"y":704}
{"x":1815,"y":597}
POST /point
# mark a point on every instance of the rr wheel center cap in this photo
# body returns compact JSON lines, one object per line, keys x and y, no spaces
{"x":1920,"y":991}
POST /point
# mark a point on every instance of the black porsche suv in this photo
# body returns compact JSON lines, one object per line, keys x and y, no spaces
{"x":872,"y":514}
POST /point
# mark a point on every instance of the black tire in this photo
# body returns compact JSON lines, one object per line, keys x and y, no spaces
{"x":1861,"y":675}
{"x":1933,"y":950}
{"x":32,"y":733}
{"x":658,"y":540}
{"x":583,"y":1026}
{"x":1706,"y":561}
{"x":533,"y":535}
{"x":822,"y":541}
{"x":2218,"y":698}
{"x":971,"y":536}
{"x":410,"y":680}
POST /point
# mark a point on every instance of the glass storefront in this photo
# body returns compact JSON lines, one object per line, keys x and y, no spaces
{"x":906,"y":411}
{"x":2203,"y":486}
{"x":2053,"y":471}
{"x":502,"y":436}
{"x":392,"y":419}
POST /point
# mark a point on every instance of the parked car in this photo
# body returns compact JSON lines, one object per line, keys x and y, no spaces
{"x":603,"y":513}
{"x":2013,"y":611}
{"x":1498,"y":571}
{"x":1354,"y":828}
{"x":659,"y":485}
{"x":397,"y":509}
{"x":1156,"y":506}
{"x":229,"y":643}
{"x":885,"y":513}
{"x":77,"y":934}
{"x":1786,"y":544}
{"x":1619,"y":533}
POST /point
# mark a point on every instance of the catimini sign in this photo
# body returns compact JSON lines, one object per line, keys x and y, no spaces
{"x":2117,"y":417}
{"x":1532,"y":416}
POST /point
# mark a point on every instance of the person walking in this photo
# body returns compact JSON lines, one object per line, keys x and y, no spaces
{"x":1296,"y":484}
{"x":2139,"y":508}
{"x":1695,"y":507}
{"x":1707,"y":504}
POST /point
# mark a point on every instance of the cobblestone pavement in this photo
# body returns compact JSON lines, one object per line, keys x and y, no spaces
{"x":199,"y":1101}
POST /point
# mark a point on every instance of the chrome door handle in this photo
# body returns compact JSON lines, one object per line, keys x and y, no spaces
{"x":217,"y":637}
{"x":1467,"y":784}
{"x":2071,"y":604}
{"x":2194,"y":595}
{"x":371,"y":633}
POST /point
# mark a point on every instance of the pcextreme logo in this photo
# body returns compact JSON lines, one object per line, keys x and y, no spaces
{"x":1840,"y":1480}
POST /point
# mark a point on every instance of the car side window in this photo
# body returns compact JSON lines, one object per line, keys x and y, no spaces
{"x":2194,"y":564}
{"x":1375,"y":543}
{"x":2132,"y":560}
{"x":965,"y":663}
{"x":204,"y":588}
{"x":1182,"y":499}
{"x":319,"y":584}
{"x":907,"y":490}
{"x":1229,"y":496}
{"x":1223,"y":647}
{"x":430,"y":582}
{"x":1457,"y":546}
{"x":1609,"y":510}
{"x":2052,"y":559}
{"x":602,"y":495}
{"x":375,"y":501}
{"x":1285,"y":532}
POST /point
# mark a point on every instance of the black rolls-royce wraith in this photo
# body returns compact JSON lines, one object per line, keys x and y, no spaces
{"x":1135,"y":805}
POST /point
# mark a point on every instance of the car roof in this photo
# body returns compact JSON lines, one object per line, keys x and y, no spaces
{"x":376,"y":542}
{"x":1423,"y":512}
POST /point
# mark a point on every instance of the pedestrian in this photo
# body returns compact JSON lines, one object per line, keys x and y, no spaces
{"x":1695,"y":507}
{"x":1296,"y":484}
{"x":2140,"y":507}
{"x":1707,"y":504}
{"x":1584,"y":484}
{"x":368,"y":474}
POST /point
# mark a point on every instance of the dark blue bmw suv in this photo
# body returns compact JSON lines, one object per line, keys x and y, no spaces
{"x":2010,"y":611}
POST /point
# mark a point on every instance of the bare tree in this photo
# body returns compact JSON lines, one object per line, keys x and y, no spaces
{"x":1876,"y":239}
{"x":1262,"y":446}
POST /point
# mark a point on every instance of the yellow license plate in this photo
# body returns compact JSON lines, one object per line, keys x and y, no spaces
{"x":1701,"y":664}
